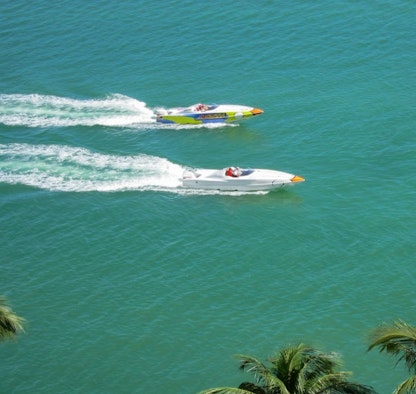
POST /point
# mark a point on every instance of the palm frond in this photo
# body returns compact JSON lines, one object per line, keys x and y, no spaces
{"x":252,"y":388}
{"x":311,"y":365}
{"x":251,"y":364}
{"x":225,"y":390}
{"x":407,"y":387}
{"x":263,"y":375}
{"x":389,"y":337}
{"x":318,"y":363}
{"x":10,"y":323}
{"x":337,"y":383}
{"x":399,"y":339}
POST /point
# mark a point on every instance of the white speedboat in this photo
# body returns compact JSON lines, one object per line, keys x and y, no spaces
{"x":236,"y":179}
{"x":204,"y":113}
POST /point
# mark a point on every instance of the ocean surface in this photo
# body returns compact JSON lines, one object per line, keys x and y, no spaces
{"x":131,"y":284}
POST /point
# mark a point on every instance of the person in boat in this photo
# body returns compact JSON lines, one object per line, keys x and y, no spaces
{"x":233,"y":171}
{"x":201,"y":107}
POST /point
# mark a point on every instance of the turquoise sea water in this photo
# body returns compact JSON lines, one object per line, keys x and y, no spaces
{"x":130,"y":284}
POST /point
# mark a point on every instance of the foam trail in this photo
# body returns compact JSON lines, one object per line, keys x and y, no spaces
{"x":65,"y":168}
{"x":36,"y":110}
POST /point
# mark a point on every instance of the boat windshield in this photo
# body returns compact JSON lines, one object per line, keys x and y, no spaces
{"x":247,"y":172}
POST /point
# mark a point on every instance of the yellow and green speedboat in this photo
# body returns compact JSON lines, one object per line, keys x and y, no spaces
{"x":206,"y":113}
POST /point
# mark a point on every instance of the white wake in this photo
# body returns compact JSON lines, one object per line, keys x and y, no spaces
{"x":65,"y":168}
{"x":36,"y":110}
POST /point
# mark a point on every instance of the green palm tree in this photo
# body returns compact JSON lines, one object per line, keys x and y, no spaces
{"x":10,"y":323}
{"x":398,"y":340}
{"x":298,"y":369}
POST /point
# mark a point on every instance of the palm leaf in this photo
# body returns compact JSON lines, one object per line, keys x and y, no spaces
{"x":399,"y":339}
{"x":407,"y":387}
{"x":10,"y":323}
{"x":226,"y":390}
{"x":337,"y":383}
{"x":318,"y":364}
{"x":263,"y":375}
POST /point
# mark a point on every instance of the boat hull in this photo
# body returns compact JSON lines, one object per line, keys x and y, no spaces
{"x":249,"y":180}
